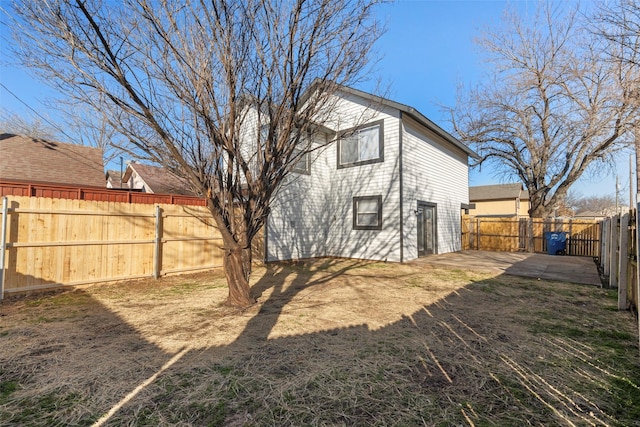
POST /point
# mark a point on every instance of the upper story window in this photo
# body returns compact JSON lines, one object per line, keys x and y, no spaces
{"x":362,"y":146}
{"x":303,"y":165}
{"x":263,"y":136}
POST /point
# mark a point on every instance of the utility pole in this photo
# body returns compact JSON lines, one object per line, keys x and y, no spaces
{"x":617,"y":192}
{"x":630,"y":181}
{"x":636,"y":133}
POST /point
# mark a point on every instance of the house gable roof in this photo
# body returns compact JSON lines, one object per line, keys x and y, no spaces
{"x":497,"y":192}
{"x":415,"y":114}
{"x":29,"y":159}
{"x":114,"y":178}
{"x":158,"y":179}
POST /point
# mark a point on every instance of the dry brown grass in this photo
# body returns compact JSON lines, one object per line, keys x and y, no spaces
{"x":330,"y":342}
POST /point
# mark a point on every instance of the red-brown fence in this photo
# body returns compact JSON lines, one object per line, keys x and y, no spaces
{"x":99,"y":194}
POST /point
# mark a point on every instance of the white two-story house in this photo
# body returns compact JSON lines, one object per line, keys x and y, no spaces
{"x":392,"y":190}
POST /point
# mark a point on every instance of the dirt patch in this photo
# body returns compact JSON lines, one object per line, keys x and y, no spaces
{"x":330,"y":342}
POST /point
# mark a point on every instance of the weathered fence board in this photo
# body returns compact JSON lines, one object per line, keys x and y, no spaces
{"x":623,"y":268}
{"x":53,"y":242}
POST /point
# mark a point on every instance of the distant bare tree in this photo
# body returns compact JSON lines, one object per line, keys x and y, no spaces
{"x":182,"y":81}
{"x":18,"y":125}
{"x":90,"y":127}
{"x":79,"y":126}
{"x":604,"y":205}
{"x":554,"y":107}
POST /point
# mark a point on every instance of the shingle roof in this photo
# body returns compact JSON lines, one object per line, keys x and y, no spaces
{"x":36,"y":160}
{"x":114,"y":177}
{"x":158,"y":179}
{"x":497,"y":192}
{"x":590,"y":214}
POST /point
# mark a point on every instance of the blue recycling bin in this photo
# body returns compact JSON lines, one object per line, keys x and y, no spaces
{"x":556,"y":242}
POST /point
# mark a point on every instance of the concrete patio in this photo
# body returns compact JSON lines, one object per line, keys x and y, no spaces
{"x":571,"y":269}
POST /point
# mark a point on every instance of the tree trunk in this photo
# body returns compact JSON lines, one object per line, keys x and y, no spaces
{"x":537,"y":209}
{"x":541,"y":212}
{"x":237,"y":269}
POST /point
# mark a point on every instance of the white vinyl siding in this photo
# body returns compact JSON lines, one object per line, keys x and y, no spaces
{"x":297,"y":222}
{"x":312,"y":215}
{"x":435,"y":172}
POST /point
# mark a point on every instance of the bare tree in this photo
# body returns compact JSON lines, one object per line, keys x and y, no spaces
{"x":619,"y":23}
{"x":189,"y":83}
{"x":554,"y":107}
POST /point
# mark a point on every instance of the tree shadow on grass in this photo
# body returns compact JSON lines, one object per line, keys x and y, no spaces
{"x":65,"y":359}
{"x":485,"y":350}
{"x":447,"y":362}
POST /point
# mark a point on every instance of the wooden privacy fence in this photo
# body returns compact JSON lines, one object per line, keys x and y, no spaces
{"x":52,"y":242}
{"x":619,"y":259}
{"x":511,"y":234}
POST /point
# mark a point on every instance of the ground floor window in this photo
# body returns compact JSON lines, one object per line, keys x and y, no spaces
{"x":367,"y":213}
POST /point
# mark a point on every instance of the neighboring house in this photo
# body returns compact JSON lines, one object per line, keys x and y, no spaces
{"x":153,"y":179}
{"x":25,"y":159}
{"x":114,"y":179}
{"x":499,"y":200}
{"x":595,"y":215}
{"x":390,"y":191}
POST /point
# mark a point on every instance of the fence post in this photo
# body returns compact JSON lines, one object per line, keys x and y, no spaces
{"x":157,"y":249}
{"x":623,"y":273}
{"x":606,"y":243}
{"x":613,"y":275}
{"x":477,"y":234}
{"x":637,"y":254}
{"x":570,"y":243}
{"x":3,"y":243}
{"x":530,"y":238}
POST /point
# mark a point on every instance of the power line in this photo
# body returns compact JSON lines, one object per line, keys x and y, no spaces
{"x":36,"y":113}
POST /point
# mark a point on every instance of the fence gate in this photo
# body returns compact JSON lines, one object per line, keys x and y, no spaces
{"x":523,"y":227}
{"x":525,"y":234}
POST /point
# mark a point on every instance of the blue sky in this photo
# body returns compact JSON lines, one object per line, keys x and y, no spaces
{"x":426,"y":53}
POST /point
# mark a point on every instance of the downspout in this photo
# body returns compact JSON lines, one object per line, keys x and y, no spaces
{"x":265,"y":231}
{"x":3,"y":244}
{"x":400,"y":130}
